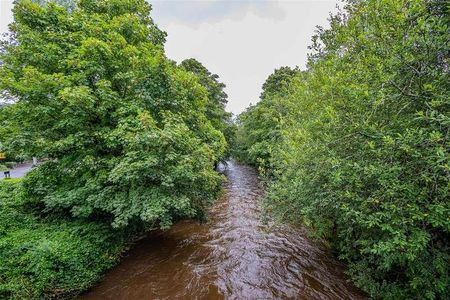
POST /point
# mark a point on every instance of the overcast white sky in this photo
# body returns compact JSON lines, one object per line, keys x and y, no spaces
{"x":241,"y":41}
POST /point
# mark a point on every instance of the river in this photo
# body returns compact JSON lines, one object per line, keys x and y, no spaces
{"x":233,"y":256}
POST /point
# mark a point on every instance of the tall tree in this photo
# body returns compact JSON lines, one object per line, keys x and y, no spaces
{"x":124,"y":129}
{"x":217,"y":99}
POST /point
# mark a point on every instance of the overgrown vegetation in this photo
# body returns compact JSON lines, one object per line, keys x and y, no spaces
{"x":357,"y":147}
{"x":48,"y":256}
{"x":131,"y":140}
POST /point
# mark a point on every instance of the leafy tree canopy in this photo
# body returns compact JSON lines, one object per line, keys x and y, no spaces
{"x":125,"y":131}
{"x":361,"y":152}
{"x":217,"y":100}
{"x":260,"y":124}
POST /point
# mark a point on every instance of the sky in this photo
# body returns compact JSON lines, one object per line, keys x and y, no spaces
{"x":241,"y":41}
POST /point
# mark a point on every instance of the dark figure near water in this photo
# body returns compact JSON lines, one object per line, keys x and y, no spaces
{"x":7,"y":174}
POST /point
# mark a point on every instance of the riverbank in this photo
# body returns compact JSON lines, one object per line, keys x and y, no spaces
{"x":233,"y":255}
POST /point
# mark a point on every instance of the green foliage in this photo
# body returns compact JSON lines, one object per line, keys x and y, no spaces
{"x":217,"y":100}
{"x":362,"y":154}
{"x":7,"y":130}
{"x":260,"y":125}
{"x":131,"y":141}
{"x":10,"y":164}
{"x":46,"y":257}
{"x":127,"y":132}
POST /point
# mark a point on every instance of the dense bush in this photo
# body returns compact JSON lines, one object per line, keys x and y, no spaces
{"x":10,"y":164}
{"x":49,"y":256}
{"x":362,"y":154}
{"x":126,"y":131}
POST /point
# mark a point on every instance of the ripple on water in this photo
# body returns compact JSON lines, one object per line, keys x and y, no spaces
{"x":233,"y":256}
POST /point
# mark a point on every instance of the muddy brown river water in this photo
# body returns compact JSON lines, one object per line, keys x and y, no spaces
{"x":233,"y":256}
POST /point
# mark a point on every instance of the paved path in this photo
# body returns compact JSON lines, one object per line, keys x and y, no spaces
{"x":18,"y":171}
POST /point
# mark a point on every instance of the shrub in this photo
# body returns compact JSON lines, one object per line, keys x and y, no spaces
{"x":10,"y":164}
{"x":49,"y":256}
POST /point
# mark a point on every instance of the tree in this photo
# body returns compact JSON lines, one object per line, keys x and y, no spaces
{"x":279,"y":82}
{"x":217,"y":100}
{"x":261,"y":124}
{"x":124,"y":129}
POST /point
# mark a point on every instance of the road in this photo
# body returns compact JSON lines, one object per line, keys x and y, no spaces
{"x":19,"y":171}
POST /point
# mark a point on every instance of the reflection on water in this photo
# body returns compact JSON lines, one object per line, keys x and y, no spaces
{"x":233,"y":256}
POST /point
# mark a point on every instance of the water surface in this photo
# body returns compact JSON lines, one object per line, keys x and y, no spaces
{"x":233,"y":256}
